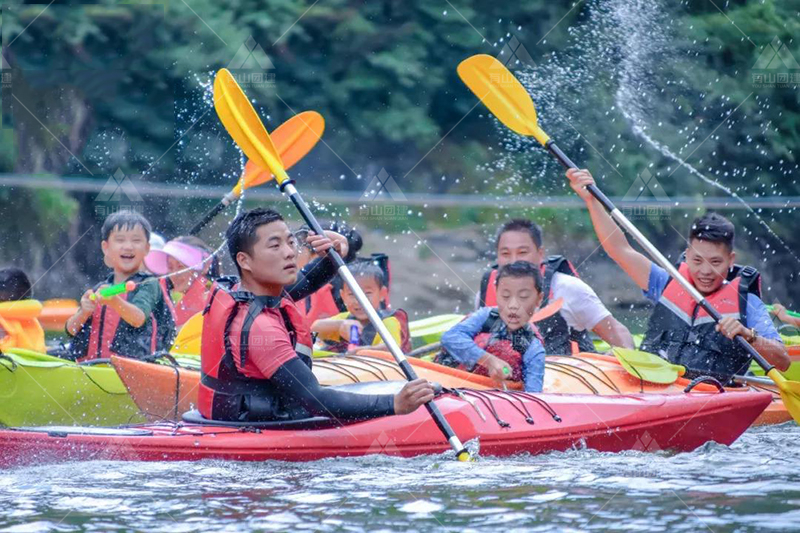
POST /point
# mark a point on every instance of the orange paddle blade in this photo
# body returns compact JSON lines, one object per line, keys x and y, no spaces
{"x":293,"y":139}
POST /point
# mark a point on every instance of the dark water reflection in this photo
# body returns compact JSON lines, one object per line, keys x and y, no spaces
{"x":752,"y":486}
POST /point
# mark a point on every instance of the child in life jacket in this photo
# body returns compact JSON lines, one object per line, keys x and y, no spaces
{"x":190,"y":262}
{"x":500,"y":342}
{"x":19,"y":322}
{"x":133,"y":324}
{"x":352,"y":328}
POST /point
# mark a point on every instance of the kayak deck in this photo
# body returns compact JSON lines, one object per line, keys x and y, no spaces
{"x":525,"y":423}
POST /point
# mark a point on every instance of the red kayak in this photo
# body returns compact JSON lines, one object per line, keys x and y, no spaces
{"x":504,"y":423}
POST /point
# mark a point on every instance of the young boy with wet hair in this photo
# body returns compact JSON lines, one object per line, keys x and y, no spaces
{"x":135,"y":324}
{"x":336,"y":331}
{"x":500,"y":342}
{"x":679,"y":329}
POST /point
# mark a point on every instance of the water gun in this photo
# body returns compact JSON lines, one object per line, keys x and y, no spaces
{"x":113,"y":290}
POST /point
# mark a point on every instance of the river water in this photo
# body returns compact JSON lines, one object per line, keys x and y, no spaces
{"x":753,"y":485}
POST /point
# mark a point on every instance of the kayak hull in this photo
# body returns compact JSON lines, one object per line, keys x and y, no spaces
{"x":164,"y":392}
{"x":645,"y":422}
{"x":37,"y":389}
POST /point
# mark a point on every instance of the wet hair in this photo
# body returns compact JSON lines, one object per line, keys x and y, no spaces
{"x":521,"y":269}
{"x":713,"y":227}
{"x":125,"y":220}
{"x":241,"y":234}
{"x":523,"y":225}
{"x":197,"y":242}
{"x":364,"y":268}
{"x":14,"y":285}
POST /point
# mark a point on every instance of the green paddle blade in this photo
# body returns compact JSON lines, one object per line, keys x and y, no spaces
{"x":647,"y":366}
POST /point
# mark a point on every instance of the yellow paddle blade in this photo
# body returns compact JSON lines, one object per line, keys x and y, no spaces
{"x":790,"y":393}
{"x":293,"y":139}
{"x":188,"y":340}
{"x":647,"y":366}
{"x":502,"y":93}
{"x":241,"y":120}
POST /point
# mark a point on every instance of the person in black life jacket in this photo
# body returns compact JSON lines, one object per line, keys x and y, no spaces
{"x":255,"y":356}
{"x":500,"y":341}
{"x":135,"y":324}
{"x":565,"y":332}
{"x":335,"y":331}
{"x":679,"y":329}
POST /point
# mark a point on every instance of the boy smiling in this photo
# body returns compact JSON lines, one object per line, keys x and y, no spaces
{"x":135,"y":324}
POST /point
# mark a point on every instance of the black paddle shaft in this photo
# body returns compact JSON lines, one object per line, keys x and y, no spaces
{"x":609,"y":206}
{"x":197,"y":228}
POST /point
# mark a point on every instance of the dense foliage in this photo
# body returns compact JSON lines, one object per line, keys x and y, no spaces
{"x":118,"y":85}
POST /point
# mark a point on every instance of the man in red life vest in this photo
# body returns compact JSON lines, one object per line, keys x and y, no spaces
{"x":567,"y":331}
{"x":256,"y":348}
{"x":679,"y":329}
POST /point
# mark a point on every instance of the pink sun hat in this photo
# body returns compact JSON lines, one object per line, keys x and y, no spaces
{"x":191,"y":256}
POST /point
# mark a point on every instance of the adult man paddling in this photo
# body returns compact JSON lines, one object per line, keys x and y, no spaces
{"x":564,"y":332}
{"x":256,"y":347}
{"x":679,"y":329}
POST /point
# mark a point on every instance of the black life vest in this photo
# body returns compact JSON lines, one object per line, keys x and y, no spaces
{"x":225,"y":393}
{"x":558,"y":335}
{"x":495,"y":338}
{"x":682,"y":331}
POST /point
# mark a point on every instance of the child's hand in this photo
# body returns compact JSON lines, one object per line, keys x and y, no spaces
{"x":87,"y":304}
{"x":344,"y":328}
{"x":579,"y":180}
{"x":497,"y":369}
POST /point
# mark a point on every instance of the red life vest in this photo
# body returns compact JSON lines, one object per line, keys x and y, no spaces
{"x":683,"y":332}
{"x":225,"y":393}
{"x":192,"y":302}
{"x":105,"y":322}
{"x":495,"y":338}
{"x":320,"y":304}
{"x":559,"y":337}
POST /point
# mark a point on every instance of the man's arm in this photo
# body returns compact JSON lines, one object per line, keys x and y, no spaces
{"x":611,"y":236}
{"x":614,"y":332}
{"x":297,"y":385}
{"x":320,"y":271}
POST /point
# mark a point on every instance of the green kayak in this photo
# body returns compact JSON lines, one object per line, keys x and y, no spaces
{"x":38,"y":389}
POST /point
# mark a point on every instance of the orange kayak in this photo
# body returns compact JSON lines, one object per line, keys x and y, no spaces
{"x":166,"y":392}
{"x":55,"y":314}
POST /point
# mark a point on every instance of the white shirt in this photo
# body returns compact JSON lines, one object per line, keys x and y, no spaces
{"x":582,"y":309}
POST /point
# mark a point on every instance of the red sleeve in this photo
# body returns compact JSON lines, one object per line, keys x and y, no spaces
{"x":269,"y":348}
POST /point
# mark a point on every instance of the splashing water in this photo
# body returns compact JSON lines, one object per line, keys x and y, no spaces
{"x":645,"y":39}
